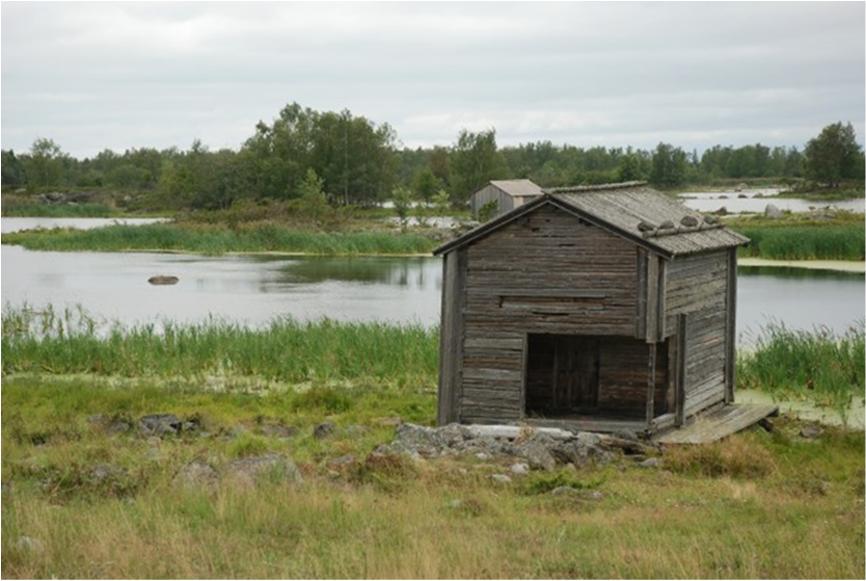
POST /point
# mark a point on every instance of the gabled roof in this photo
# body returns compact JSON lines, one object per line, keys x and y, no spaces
{"x":518,"y":187}
{"x":631,"y":210}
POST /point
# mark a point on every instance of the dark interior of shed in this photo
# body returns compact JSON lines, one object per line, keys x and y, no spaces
{"x":573,"y":376}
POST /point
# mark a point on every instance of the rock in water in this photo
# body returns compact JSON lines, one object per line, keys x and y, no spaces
{"x":772,"y":211}
{"x":163,"y":280}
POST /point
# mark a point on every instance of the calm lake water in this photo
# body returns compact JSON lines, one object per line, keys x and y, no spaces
{"x":16,"y":224}
{"x":755,"y":201}
{"x":254,"y":290}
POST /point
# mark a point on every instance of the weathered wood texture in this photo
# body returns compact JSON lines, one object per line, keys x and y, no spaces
{"x":697,"y":286}
{"x":491,"y":193}
{"x":717,"y":424}
{"x":601,"y":376}
{"x":546,"y":272}
{"x":451,"y":336}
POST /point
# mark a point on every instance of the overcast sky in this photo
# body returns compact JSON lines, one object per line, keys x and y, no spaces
{"x":112,"y":75}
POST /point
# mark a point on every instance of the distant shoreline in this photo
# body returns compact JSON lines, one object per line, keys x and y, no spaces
{"x":835,"y":265}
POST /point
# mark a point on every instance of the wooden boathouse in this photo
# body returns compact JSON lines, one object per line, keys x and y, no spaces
{"x":505,"y":195}
{"x":598,"y":308}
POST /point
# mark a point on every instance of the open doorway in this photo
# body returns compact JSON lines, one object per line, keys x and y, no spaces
{"x":573,"y":376}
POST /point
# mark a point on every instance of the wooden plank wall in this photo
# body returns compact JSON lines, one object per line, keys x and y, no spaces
{"x":698,"y":287}
{"x":546,"y":272}
{"x":490,"y":193}
{"x":451,"y":336}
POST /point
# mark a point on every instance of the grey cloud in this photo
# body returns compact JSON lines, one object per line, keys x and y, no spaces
{"x":129,"y":75}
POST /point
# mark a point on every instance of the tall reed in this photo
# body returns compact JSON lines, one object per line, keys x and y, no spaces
{"x":217,"y":239}
{"x":286,"y":349}
{"x":818,"y":365}
{"x":844,"y":242}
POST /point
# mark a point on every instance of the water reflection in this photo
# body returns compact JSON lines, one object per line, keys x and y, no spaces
{"x":254,"y":290}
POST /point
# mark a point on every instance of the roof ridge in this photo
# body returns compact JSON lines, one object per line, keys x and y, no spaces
{"x":595,"y":187}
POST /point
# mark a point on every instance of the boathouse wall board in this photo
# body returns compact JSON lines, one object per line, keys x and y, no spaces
{"x":697,"y":286}
{"x":451,"y":336}
{"x":545,"y":273}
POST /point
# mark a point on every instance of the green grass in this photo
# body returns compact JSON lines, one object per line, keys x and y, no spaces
{"x":805,"y":242}
{"x":815,"y":365}
{"x":218,"y":239}
{"x":84,"y":210}
{"x":285,"y":350}
{"x":758,"y":505}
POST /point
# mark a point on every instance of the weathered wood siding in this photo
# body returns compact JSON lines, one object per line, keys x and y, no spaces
{"x":491,"y":193}
{"x":546,"y":272}
{"x":451,"y":335}
{"x":697,"y":286}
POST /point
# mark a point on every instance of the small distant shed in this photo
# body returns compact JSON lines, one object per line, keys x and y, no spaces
{"x":601,"y":308}
{"x":506,"y":194}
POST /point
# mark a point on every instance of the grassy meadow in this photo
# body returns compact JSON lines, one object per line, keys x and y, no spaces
{"x":760,"y":504}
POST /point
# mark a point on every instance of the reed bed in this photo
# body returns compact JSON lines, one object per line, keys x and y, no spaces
{"x":837,"y":242}
{"x":29,"y":209}
{"x":817,"y":365}
{"x":72,"y":342}
{"x":218,"y":239}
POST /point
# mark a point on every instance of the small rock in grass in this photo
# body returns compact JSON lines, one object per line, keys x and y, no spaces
{"x":650,"y":463}
{"x":811,"y":431}
{"x":520,"y":468}
{"x":483,"y":456}
{"x":277,"y":430}
{"x":577,"y":493}
{"x":249,"y":470}
{"x":102,"y":473}
{"x":323,"y":430}
{"x":159,"y":424}
{"x":341,"y":463}
{"x":501,"y":478}
{"x":197,"y":473}
{"x":29,"y":545}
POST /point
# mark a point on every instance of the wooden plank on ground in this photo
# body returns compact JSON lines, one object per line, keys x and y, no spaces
{"x":718,"y":424}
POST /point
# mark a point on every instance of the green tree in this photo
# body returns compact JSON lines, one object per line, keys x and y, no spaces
{"x":442,"y":202}
{"x":474,"y":161}
{"x":669,"y":165}
{"x":12,"y":170}
{"x":44,"y":166}
{"x":426,"y":184}
{"x":402,"y":199}
{"x":630,"y":168}
{"x":834,"y":155}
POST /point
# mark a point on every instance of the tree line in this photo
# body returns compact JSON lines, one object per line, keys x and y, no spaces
{"x":353,"y":160}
